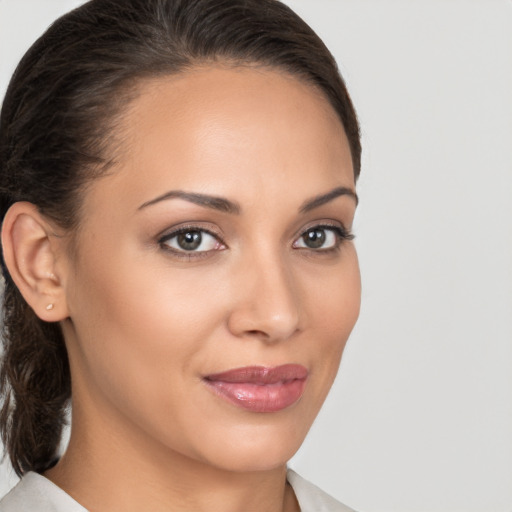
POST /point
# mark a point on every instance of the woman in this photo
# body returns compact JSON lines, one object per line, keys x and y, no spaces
{"x":178,"y":189}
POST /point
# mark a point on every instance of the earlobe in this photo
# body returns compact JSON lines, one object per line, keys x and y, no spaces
{"x":31,"y":251}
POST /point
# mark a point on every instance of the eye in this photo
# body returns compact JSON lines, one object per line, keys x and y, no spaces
{"x":322,"y":238}
{"x":191,"y":240}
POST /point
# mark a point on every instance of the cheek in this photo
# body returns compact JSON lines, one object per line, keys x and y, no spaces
{"x":140,"y":328}
{"x":140,"y":338}
{"x":335,"y":297}
{"x":335,"y":302}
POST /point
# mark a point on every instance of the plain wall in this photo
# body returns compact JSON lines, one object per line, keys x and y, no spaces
{"x":420,"y":417}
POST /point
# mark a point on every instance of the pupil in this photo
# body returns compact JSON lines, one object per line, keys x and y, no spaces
{"x":189,"y":240}
{"x":314,"y":239}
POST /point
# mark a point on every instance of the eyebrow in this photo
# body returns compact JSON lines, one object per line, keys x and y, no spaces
{"x":216,"y":203}
{"x":227,"y":206}
{"x":322,"y":199}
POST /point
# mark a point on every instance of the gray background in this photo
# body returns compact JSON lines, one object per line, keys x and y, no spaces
{"x":420,"y":418}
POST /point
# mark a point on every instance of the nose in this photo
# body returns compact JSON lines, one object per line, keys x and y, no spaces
{"x":266,"y":302}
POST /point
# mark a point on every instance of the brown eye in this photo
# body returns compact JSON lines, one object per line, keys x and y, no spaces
{"x":191,"y":240}
{"x":314,"y":238}
{"x":319,"y":238}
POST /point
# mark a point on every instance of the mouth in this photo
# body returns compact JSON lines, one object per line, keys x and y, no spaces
{"x":260,"y":388}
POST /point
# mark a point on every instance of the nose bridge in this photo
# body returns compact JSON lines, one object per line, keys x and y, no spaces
{"x":268,"y":305}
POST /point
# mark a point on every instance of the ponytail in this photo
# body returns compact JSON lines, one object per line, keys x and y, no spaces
{"x":34,"y":385}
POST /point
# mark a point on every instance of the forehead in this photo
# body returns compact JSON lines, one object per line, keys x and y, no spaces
{"x":232,"y":130}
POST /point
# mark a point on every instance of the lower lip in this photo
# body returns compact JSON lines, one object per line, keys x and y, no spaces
{"x":260,"y":397}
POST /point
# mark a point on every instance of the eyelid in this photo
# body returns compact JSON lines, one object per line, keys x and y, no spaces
{"x":183,"y":228}
{"x":336,"y":226}
{"x":340,"y":232}
{"x":191,"y":226}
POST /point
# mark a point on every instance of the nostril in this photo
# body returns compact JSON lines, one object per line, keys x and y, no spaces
{"x":256,"y":332}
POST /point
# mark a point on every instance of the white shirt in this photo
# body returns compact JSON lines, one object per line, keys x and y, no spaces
{"x":35,"y":493}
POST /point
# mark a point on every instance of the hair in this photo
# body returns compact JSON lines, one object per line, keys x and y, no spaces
{"x":56,"y":126}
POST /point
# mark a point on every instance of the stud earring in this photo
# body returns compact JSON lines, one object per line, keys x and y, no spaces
{"x":49,"y":307}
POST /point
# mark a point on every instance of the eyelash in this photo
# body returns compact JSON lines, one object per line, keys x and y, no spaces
{"x":189,"y":255}
{"x":340,"y":233}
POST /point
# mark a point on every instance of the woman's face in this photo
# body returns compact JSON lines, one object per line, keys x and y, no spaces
{"x":215,"y":284}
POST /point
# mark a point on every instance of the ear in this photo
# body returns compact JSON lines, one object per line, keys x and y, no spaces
{"x":31,"y":252}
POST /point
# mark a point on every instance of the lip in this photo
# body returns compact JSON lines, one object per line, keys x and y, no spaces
{"x":260,"y":388}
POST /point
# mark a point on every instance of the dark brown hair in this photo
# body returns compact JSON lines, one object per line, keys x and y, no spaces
{"x":56,"y":123}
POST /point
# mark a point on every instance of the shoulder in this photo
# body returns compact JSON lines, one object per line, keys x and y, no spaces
{"x":35,"y":493}
{"x":311,"y":498}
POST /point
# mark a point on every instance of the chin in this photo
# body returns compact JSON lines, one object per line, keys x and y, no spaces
{"x":247,"y":461}
{"x":248,"y":450}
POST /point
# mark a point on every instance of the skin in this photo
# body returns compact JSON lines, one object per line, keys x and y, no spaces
{"x":144,"y":324}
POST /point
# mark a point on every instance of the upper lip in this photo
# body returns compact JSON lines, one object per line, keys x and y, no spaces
{"x":261,"y":374}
